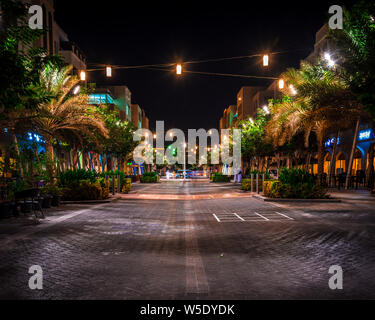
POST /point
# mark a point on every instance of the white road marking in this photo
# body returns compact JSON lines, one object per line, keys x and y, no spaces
{"x":239,"y":217}
{"x":218,"y":220}
{"x":263,"y":217}
{"x":283,"y":215}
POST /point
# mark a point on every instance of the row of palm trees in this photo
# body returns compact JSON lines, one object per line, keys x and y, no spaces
{"x":317,"y":100}
{"x":63,"y":117}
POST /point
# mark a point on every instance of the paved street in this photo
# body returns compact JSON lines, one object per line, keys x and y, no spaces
{"x":235,"y":248}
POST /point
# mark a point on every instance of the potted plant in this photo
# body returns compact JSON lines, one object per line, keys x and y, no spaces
{"x":51,"y":196}
{"x":46,"y":198}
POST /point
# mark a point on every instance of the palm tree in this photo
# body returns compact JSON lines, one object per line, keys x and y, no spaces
{"x":66,"y":114}
{"x":322,"y":101}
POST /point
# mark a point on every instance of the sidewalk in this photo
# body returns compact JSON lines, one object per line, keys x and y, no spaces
{"x":352,"y":195}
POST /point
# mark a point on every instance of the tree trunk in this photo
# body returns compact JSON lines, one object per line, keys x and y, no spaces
{"x":350,"y":167}
{"x":333,"y":158}
{"x":370,"y":170}
{"x":18,"y":153}
{"x":321,"y":148}
{"x":308,"y":161}
{"x":51,"y":169}
{"x":278,"y":161}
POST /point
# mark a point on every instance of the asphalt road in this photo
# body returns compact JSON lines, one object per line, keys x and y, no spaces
{"x":205,"y":249}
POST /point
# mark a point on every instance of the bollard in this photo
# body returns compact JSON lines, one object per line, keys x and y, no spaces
{"x":118,"y":184}
{"x":264,"y":179}
{"x":113,"y":185}
{"x":252,"y":183}
{"x":257,"y":183}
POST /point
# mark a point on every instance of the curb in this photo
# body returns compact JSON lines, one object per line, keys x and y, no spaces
{"x":298,"y":200}
{"x":90,"y":201}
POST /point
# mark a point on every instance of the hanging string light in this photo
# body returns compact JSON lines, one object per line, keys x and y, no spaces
{"x":109,"y":72}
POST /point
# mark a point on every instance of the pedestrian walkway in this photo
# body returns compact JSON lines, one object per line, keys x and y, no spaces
{"x":352,"y":194}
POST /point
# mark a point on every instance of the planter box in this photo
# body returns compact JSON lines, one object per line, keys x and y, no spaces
{"x":265,"y":199}
{"x":47,"y":202}
{"x":6,"y":210}
{"x":26,"y":207}
{"x":55,"y":202}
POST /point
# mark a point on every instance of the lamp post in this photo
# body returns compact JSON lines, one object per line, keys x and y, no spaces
{"x":185,"y":161}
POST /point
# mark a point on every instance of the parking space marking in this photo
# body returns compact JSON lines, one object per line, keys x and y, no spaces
{"x":239,"y":217}
{"x":251,"y":217}
{"x":217,"y":219}
{"x":262,"y":216}
{"x":283,"y":215}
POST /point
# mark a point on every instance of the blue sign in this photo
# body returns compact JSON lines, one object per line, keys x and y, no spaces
{"x":331,"y":142}
{"x":366,"y":135}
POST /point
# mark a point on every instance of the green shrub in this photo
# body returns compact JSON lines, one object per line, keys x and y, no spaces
{"x":296,"y":176}
{"x":85,"y":190}
{"x":72,"y":176}
{"x":269,"y":186}
{"x":219,"y":178}
{"x":295,"y":184}
{"x":127,"y":186}
{"x":246,"y":185}
{"x":52,"y":190}
{"x":150,"y":179}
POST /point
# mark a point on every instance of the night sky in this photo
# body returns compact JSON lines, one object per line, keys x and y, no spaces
{"x":121,"y":33}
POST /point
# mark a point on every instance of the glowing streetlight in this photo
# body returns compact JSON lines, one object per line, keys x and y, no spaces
{"x":266,"y":109}
{"x":293,"y":90}
{"x":329,"y":60}
{"x":83,"y":75}
{"x":76,"y":90}
{"x":179,"y":69}
{"x":266,"y":60}
{"x":155,"y":136}
{"x":109,"y":72}
{"x":281,"y":84}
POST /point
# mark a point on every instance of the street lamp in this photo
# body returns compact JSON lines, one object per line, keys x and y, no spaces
{"x":83,"y":75}
{"x":266,"y":109}
{"x":76,"y":90}
{"x":266,"y":60}
{"x":293,"y":90}
{"x":329,"y":60}
{"x":185,"y":145}
{"x":179,"y":69}
{"x":109,"y":72}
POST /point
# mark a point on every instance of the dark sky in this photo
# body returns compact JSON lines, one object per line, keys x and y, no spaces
{"x":120,"y":33}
